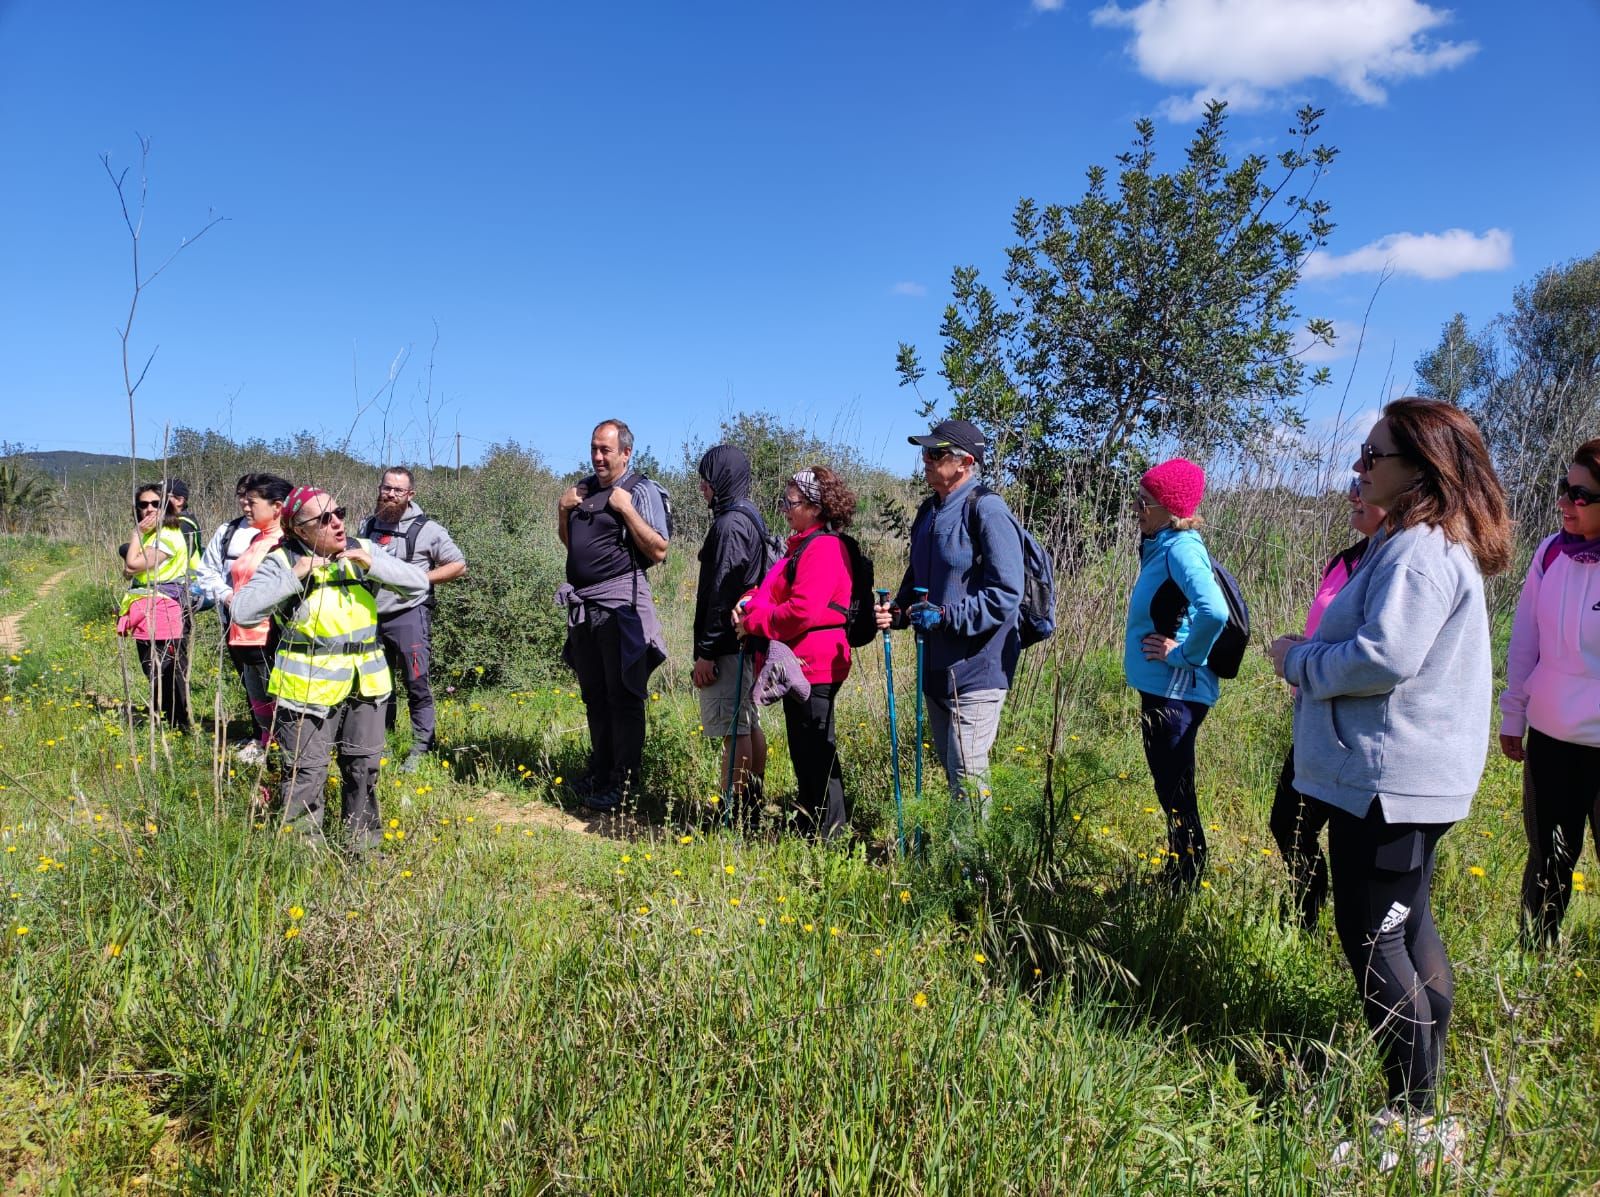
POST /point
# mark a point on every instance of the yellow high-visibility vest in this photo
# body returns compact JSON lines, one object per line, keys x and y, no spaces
{"x":330,"y":644}
{"x":175,"y":566}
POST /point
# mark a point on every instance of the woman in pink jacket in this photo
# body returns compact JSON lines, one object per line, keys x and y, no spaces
{"x":1552,"y":697}
{"x":803,"y":602}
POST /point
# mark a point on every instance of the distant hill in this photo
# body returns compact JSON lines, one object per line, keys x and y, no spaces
{"x":69,"y":466}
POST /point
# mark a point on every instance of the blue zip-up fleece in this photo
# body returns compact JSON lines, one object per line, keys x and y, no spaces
{"x":976,"y":645}
{"x":1182,"y":556}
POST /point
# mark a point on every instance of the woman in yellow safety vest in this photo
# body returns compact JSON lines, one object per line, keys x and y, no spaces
{"x":155,"y":607}
{"x":329,"y":677}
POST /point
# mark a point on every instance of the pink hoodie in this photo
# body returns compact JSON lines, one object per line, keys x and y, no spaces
{"x":801,"y":617}
{"x":1553,"y":664}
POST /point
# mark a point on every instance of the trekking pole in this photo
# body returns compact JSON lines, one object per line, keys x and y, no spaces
{"x":733,"y":738}
{"x":922,"y":596}
{"x":894,"y":739}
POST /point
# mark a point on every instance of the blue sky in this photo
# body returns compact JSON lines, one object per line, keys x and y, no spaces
{"x":670,"y":212}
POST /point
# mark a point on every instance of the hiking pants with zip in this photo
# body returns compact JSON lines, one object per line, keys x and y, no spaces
{"x":353,"y":729}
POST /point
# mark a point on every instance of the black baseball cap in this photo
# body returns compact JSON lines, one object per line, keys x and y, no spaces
{"x":177,"y":486}
{"x":955,"y":434}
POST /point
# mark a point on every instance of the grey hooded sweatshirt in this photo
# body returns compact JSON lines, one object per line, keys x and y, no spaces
{"x":1395,"y":686}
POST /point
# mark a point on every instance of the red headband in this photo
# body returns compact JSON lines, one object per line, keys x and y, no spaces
{"x":298,"y":498}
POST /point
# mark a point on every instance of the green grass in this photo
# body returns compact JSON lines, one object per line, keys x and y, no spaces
{"x":495,"y":1005}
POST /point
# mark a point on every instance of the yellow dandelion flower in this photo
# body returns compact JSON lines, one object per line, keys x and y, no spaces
{"x":113,"y":949}
{"x":698,"y":931}
{"x":405,"y":872}
{"x":1038,"y":972}
{"x":1476,"y":870}
{"x":729,"y":870}
{"x":644,"y":910}
{"x":733,"y":901}
{"x":919,"y":999}
{"x":677,"y":872}
{"x":877,"y":951}
{"x":558,"y":781}
{"x":291,"y":933}
{"x":297,"y":913}
{"x":1578,"y":877}
{"x":835,"y":932}
{"x":808,"y":928}
{"x":905,"y":895}
{"x":979,"y":958}
{"x":761,"y":920}
{"x":686,"y":839}
{"x":626,"y":858}
{"x":21,"y":930}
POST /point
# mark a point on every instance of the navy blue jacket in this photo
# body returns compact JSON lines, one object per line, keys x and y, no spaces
{"x":976,"y":645}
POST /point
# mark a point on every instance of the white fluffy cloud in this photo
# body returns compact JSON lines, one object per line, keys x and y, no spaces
{"x":1246,"y":51}
{"x":915,"y":290}
{"x":1421,"y":255}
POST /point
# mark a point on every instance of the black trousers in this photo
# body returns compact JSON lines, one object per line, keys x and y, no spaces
{"x":1560,"y":792}
{"x":408,"y":647}
{"x":1297,"y":822}
{"x":166,"y":665}
{"x":1168,"y":727}
{"x":1382,"y":910}
{"x":819,"y":782}
{"x":613,"y":700}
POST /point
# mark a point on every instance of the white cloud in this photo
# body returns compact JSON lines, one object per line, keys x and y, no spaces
{"x":915,"y":290}
{"x":1247,"y":51}
{"x":1422,"y":255}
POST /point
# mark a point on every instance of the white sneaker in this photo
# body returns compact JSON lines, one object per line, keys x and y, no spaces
{"x":1388,"y":1123}
{"x":251,"y":753}
{"x":1429,"y":1142}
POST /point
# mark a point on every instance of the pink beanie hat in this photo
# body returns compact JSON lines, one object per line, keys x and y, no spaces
{"x":1178,"y":485}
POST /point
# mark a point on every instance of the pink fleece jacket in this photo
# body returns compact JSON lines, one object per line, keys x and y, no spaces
{"x":800,"y":616}
{"x":1553,"y":664}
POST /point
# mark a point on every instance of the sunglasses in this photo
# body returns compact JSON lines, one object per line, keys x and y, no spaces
{"x":936,"y":454}
{"x":1370,"y":456}
{"x":146,"y":504}
{"x":326,"y":518}
{"x":1580,"y":496}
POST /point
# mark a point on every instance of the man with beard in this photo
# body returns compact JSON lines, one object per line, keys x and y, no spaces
{"x":405,"y":623}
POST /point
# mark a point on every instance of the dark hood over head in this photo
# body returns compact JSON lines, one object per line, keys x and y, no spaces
{"x":727,"y":470}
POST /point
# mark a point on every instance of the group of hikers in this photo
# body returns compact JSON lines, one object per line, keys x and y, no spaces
{"x":313,"y":621}
{"x":1391,"y":675}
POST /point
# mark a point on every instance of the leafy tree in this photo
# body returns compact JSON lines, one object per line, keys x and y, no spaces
{"x":1157,"y":308}
{"x":1459,"y":368}
{"x":25,"y":496}
{"x":1539,"y":392}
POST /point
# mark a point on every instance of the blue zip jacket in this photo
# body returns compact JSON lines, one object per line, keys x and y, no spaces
{"x":976,"y":645}
{"x":1182,"y":556}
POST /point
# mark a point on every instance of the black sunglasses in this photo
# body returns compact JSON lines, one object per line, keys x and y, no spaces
{"x":1580,"y":496}
{"x":929,"y":454}
{"x":145,"y":504}
{"x":326,"y":518}
{"x":1370,"y":456}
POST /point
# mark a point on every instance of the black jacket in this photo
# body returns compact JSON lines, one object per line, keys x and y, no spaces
{"x":734,"y":555}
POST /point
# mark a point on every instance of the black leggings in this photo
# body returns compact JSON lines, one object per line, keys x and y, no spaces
{"x":1382,"y":878}
{"x":819,"y":782}
{"x":1297,"y":822}
{"x":1560,"y":791}
{"x":166,"y":664}
{"x":1168,"y":727}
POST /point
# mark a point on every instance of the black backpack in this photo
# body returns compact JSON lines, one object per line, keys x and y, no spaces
{"x":632,"y":483}
{"x":1170,"y":604}
{"x":860,"y":623}
{"x":1036,"y":619}
{"x":413,"y":533}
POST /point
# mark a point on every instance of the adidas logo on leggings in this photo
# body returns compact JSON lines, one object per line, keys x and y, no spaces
{"x":1395,"y":918}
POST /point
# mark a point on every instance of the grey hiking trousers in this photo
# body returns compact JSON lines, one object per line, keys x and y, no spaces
{"x":353,"y":729}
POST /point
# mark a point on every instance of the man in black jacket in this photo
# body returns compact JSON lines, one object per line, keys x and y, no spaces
{"x":736,"y":554}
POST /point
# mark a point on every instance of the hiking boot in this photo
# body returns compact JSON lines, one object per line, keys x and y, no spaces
{"x":603,"y":803}
{"x":414,"y":759}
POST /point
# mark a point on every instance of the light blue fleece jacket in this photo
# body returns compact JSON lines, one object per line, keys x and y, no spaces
{"x":1182,"y":557}
{"x":1395,"y":685}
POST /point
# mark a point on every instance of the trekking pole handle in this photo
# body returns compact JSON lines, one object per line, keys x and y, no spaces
{"x":883,"y":596}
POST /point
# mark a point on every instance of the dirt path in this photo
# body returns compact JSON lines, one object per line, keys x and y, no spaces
{"x":11,"y":625}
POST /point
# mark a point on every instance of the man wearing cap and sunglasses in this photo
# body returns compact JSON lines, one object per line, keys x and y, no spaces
{"x":402,"y":529}
{"x":329,"y":678}
{"x":966,"y":551}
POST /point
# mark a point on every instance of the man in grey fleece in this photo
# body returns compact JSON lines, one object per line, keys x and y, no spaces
{"x":405,"y":625}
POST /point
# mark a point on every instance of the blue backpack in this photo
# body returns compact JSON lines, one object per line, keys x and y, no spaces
{"x":1036,"y":620}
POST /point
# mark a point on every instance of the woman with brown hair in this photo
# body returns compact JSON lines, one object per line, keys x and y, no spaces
{"x":155,"y":607}
{"x":1391,"y":729}
{"x":803,"y":602}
